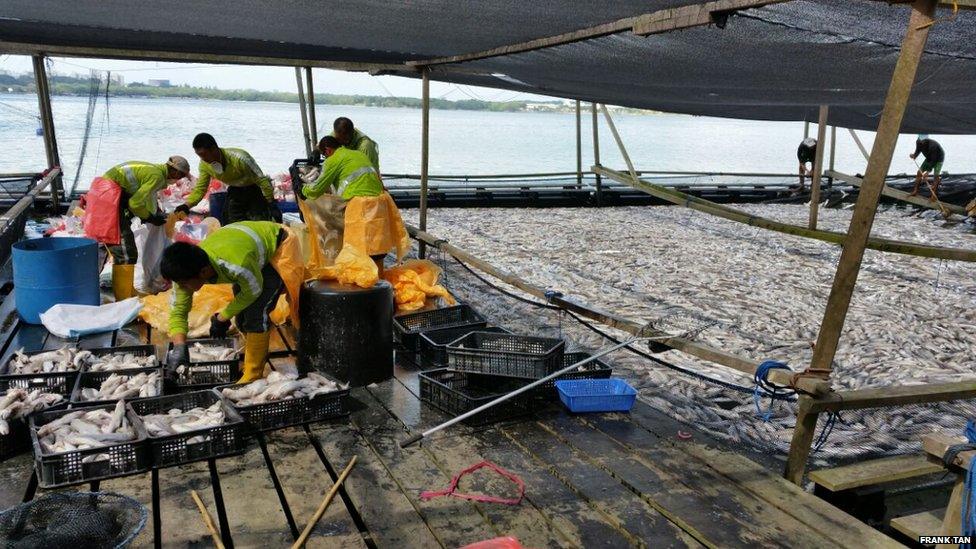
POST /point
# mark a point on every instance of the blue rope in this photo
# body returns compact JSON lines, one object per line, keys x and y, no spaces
{"x":968,"y":506}
{"x":764,"y":387}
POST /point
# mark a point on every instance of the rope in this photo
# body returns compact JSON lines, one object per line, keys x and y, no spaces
{"x":451,"y":490}
{"x":832,"y":418}
{"x":764,"y":386}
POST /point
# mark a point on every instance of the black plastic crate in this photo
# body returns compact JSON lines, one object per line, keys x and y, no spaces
{"x":279,"y":414}
{"x":596,"y":369}
{"x":408,"y":327}
{"x":433,"y":344}
{"x":227,"y":439}
{"x":207,"y":375}
{"x":94,"y":380}
{"x":136,"y":350}
{"x":506,"y":355}
{"x":453,"y":392}
{"x":61,"y":383}
{"x":68,"y":468}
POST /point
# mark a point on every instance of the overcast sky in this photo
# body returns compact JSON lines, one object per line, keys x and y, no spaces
{"x":265,"y":78}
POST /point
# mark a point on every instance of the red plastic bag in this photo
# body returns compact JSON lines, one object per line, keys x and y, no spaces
{"x":101,"y":220}
{"x":506,"y":542}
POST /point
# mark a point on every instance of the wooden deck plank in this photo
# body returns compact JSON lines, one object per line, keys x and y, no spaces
{"x":754,"y":478}
{"x":710,"y":507}
{"x":926,"y":523}
{"x":305,"y":481}
{"x":875,"y":471}
{"x":533,"y":523}
{"x":388,"y":514}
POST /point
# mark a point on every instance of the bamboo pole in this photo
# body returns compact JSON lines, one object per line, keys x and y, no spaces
{"x":858,"y":235}
{"x":725,"y":212}
{"x":47,"y":124}
{"x":208,"y":520}
{"x":620,"y":142}
{"x":313,"y":128}
{"x":833,"y":153}
{"x":424,"y":156}
{"x":806,"y":129}
{"x":818,"y":166}
{"x":860,"y":146}
{"x":301,"y":108}
{"x":579,"y":146}
{"x":687,"y":346}
{"x":596,"y":156}
{"x":300,"y":542}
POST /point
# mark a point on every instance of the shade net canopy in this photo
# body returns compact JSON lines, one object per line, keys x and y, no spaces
{"x":778,"y":62}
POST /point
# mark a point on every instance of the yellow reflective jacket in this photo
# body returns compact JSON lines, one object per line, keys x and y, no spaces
{"x":348,"y":173}
{"x":239,"y":170}
{"x":140,"y":181}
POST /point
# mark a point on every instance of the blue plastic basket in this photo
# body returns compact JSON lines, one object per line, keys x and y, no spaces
{"x":596,"y":395}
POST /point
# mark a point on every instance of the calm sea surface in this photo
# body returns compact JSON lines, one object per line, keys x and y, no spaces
{"x":461,"y":142}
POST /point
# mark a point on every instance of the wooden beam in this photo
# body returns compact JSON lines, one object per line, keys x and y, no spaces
{"x":725,"y":212}
{"x":803,"y":433}
{"x":818,"y":166}
{"x":313,"y":128}
{"x":579,"y":146}
{"x":937,"y":444}
{"x":895,"y":395}
{"x":694,"y":15}
{"x":28,"y":200}
{"x":874,"y":472}
{"x":859,"y":233}
{"x":424,"y":155}
{"x":687,"y":346}
{"x":860,"y":146}
{"x":833,"y":146}
{"x":43,"y":91}
{"x":891,"y":192}
{"x":23,"y":48}
{"x":596,"y":155}
{"x":620,"y":143}
{"x":303,"y":112}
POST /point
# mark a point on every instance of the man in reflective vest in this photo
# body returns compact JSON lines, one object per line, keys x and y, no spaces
{"x":349,"y":137}
{"x":258,"y":258}
{"x":250,"y":196}
{"x":140,"y":181}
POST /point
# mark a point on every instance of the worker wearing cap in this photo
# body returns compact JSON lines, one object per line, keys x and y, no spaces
{"x":372,"y":221}
{"x":260,"y":259}
{"x":349,"y":137}
{"x":250,"y":196}
{"x":934,"y":157}
{"x":139,"y":181}
{"x":806,"y":153}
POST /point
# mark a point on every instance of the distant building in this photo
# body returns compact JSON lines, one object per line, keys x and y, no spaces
{"x":119,"y":80}
{"x":158,"y":83}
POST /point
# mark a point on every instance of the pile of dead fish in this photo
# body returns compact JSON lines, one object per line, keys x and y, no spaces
{"x":280,"y":386}
{"x":911,"y":320}
{"x":177,"y":421}
{"x":116,"y":387}
{"x":211,"y":353}
{"x":86,"y":429}
{"x":19,"y":403}
{"x":114,"y":361}
{"x":61,"y":360}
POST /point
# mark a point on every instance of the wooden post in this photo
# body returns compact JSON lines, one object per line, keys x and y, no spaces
{"x":860,"y":146}
{"x":833,"y":153}
{"x":806,"y":427}
{"x":579,"y":147}
{"x":313,"y":128}
{"x":47,"y":124}
{"x":620,"y":144}
{"x":301,"y":108}
{"x":919,"y":24}
{"x":424,"y":156}
{"x":806,"y":129}
{"x":818,"y":166}
{"x":596,"y":157}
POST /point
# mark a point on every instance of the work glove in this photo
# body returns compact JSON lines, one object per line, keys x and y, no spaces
{"x":157,"y":219}
{"x":183,"y":208}
{"x":218,"y":328}
{"x":178,"y":356}
{"x":275,"y":211}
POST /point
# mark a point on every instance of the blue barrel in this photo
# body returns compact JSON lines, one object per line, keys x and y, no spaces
{"x":218,"y":201}
{"x":49,"y":271}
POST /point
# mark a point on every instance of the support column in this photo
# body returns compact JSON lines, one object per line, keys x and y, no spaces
{"x":806,"y":428}
{"x":919,"y":24}
{"x":620,"y":144}
{"x":806,"y":129}
{"x":596,"y":157}
{"x":857,"y":141}
{"x":424,"y":156}
{"x":313,"y":128}
{"x":47,"y":124}
{"x":579,"y":147}
{"x":833,"y":153}
{"x":301,"y":108}
{"x":818,"y":167}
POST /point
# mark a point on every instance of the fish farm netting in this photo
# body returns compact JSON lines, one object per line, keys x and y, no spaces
{"x":84,"y":520}
{"x":726,"y":410}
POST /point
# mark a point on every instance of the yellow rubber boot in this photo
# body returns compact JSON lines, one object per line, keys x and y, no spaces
{"x":123,"y":277}
{"x":255,"y":355}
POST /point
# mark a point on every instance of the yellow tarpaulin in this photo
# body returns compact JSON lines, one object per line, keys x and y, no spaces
{"x":373,"y":224}
{"x":209,"y":300}
{"x":414,"y":282}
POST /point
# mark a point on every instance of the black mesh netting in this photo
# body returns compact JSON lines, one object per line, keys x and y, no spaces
{"x":80,"y":520}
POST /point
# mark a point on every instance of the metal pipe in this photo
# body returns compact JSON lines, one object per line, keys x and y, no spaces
{"x":313,"y":128}
{"x":301,"y":108}
{"x":579,"y":146}
{"x":596,"y":157}
{"x":424,"y":156}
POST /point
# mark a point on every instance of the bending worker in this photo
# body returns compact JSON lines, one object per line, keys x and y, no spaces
{"x":260,"y":258}
{"x":806,"y":153}
{"x":934,"y":157}
{"x":139,"y":181}
{"x":372,"y":221}
{"x":250,"y":196}
{"x":349,"y":137}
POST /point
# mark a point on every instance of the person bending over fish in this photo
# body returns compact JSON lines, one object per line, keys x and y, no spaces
{"x":349,"y":137}
{"x":934,"y":157}
{"x":806,"y":153}
{"x":259,"y":258}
